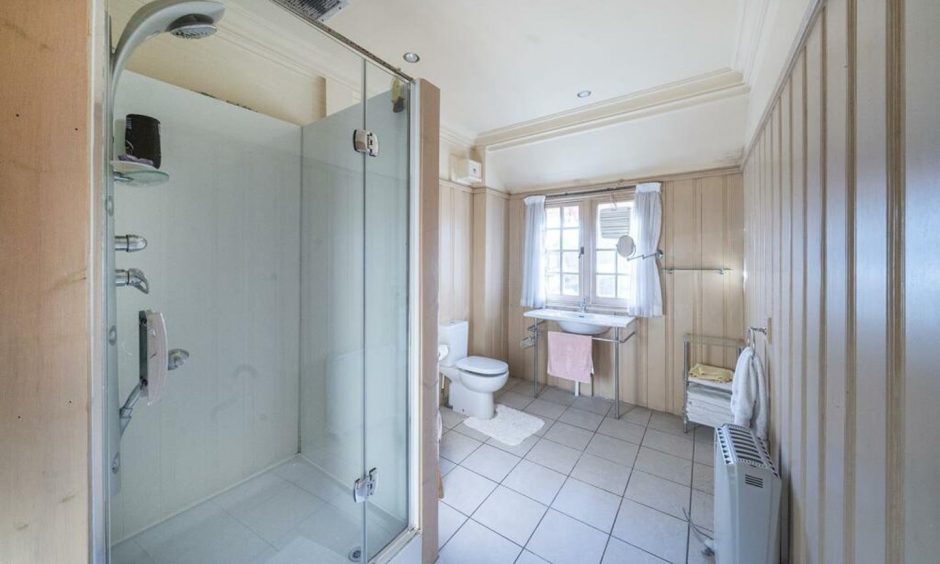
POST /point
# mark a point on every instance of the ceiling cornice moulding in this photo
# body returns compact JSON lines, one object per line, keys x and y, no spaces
{"x":665,"y":175}
{"x":751,"y":19}
{"x":716,"y":85}
{"x":456,"y":137}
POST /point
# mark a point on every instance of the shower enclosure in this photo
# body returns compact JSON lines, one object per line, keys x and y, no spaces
{"x":271,"y":248}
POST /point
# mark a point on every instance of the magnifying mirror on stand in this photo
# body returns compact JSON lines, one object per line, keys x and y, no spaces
{"x":626,"y":247}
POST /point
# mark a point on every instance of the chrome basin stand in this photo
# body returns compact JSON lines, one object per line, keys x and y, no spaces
{"x":617,"y":342}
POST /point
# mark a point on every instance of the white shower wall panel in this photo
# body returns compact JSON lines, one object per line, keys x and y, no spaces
{"x":223,"y":264}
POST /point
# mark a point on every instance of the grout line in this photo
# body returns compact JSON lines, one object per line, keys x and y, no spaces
{"x":550,"y":422}
{"x":624,"y":496}
{"x":688,"y":526}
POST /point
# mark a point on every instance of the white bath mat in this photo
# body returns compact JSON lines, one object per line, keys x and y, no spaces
{"x":510,"y":426}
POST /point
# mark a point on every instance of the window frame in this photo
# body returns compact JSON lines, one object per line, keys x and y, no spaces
{"x":594,"y":300}
{"x":587,"y":215}
{"x":561,"y":299}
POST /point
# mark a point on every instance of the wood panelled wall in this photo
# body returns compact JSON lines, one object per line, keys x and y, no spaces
{"x":45,"y":191}
{"x":703,"y":225}
{"x":427,"y":290}
{"x":842,"y":193}
{"x":456,"y":250}
{"x":473,"y":254}
{"x":488,"y":312}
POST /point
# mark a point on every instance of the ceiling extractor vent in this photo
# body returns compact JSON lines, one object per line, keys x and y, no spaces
{"x":318,"y":10}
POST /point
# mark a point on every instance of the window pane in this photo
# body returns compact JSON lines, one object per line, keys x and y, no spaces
{"x":605,"y":286}
{"x":570,"y":264}
{"x":623,"y":287}
{"x":554,"y":261}
{"x":553,"y":217}
{"x":571,"y":241}
{"x":571,"y":216}
{"x":570,"y":285}
{"x":622,"y":264}
{"x":602,"y":243}
{"x":553,"y":239}
{"x":606,"y":262}
{"x":553,"y":285}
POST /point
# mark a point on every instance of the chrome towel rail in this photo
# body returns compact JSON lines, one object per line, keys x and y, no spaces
{"x":719,"y":269}
{"x":749,"y":334}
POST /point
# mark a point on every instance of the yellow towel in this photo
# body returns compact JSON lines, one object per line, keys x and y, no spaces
{"x":712,"y":373}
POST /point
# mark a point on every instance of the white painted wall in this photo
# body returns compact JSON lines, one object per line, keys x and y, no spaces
{"x":222,"y":260}
{"x":782,"y":24}
{"x":698,"y":137}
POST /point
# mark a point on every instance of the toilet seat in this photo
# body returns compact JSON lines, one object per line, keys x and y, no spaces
{"x":482,"y":366}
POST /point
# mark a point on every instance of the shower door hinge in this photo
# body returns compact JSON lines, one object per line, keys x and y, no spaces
{"x":364,"y":486}
{"x":364,"y":141}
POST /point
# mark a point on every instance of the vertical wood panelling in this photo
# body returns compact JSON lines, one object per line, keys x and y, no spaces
{"x":922,"y":310}
{"x":832,"y":502}
{"x":853,"y":183}
{"x":871,"y":286}
{"x":516,"y":323}
{"x":456,"y":251}
{"x":446,"y":252}
{"x":702,"y":225}
{"x":45,"y":280}
{"x":895,"y":382}
{"x":783,"y":337}
{"x":848,"y":424}
{"x":428,"y":290}
{"x":488,"y":274}
{"x":813,"y":210}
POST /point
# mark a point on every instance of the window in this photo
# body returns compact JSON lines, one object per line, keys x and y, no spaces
{"x":611,"y":273}
{"x":563,"y":251}
{"x":581,"y":257}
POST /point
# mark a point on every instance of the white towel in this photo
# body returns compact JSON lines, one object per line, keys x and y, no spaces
{"x":749,"y":393}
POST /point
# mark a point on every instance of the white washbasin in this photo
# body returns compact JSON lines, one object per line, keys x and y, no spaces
{"x":582,"y":323}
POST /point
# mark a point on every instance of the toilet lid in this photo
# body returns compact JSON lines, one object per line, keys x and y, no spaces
{"x":482,"y":365}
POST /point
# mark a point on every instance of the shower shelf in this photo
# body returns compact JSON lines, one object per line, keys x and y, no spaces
{"x":137,"y":174}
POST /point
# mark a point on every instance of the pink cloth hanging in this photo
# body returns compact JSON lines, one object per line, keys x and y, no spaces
{"x":569,"y":356}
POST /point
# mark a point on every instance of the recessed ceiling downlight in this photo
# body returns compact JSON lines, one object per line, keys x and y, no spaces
{"x":411,"y":57}
{"x":584,"y":94}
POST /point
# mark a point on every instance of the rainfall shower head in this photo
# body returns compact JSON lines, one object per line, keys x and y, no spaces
{"x":193,"y":26}
{"x":189,"y":19}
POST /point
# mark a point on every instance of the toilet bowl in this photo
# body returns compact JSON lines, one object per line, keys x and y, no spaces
{"x":473,"y":379}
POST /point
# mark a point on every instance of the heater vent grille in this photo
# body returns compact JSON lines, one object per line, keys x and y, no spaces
{"x":741,"y":446}
{"x":318,"y":10}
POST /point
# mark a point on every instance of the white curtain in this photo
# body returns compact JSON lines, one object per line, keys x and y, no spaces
{"x":648,"y":219}
{"x":533,"y":262}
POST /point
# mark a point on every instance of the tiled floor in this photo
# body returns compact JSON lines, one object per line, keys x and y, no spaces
{"x":290,"y":514}
{"x":586,"y":488}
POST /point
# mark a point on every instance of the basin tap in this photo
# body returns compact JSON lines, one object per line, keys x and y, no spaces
{"x":583,"y":305}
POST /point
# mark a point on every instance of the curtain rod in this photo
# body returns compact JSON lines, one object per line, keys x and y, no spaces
{"x":586,"y":192}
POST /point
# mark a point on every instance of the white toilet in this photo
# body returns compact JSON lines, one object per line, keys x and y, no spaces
{"x":473,"y":379}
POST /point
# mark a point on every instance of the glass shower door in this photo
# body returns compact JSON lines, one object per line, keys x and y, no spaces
{"x":333,"y":330}
{"x":386,"y":229}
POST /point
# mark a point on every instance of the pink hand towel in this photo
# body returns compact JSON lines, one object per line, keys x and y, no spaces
{"x":569,"y":356}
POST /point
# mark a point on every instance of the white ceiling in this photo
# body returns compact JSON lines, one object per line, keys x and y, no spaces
{"x":500,"y":63}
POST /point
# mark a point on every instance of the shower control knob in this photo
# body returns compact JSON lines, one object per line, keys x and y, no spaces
{"x":129,"y":243}
{"x":176,"y":358}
